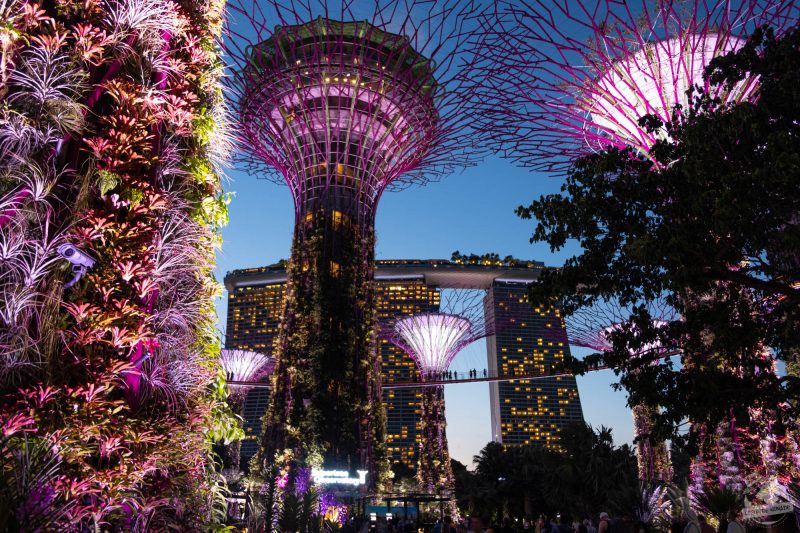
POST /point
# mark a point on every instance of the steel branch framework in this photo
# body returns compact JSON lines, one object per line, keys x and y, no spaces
{"x":593,"y":327}
{"x":433,"y":340}
{"x":245,"y":366}
{"x":561,"y":79}
{"x":341,"y":104}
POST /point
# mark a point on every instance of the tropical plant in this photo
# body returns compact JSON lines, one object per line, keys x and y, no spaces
{"x":29,"y":476}
{"x":718,"y":501}
{"x":585,"y":475}
{"x":654,"y":506}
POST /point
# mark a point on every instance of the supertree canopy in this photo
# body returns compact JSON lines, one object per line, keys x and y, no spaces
{"x":241,"y":366}
{"x":342,"y":104}
{"x":433,"y":340}
{"x":562,"y":80}
{"x":245,"y":366}
{"x":593,"y":327}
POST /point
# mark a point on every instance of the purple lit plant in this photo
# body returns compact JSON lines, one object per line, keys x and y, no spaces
{"x":331,"y":510}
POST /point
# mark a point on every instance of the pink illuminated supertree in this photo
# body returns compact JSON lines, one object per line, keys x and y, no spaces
{"x":593,"y":327}
{"x":342,"y":103}
{"x":563,"y":79}
{"x":433,"y":340}
{"x":242,"y":366}
{"x":246,"y":367}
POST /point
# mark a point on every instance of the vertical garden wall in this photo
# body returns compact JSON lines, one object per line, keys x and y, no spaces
{"x":110,"y":206}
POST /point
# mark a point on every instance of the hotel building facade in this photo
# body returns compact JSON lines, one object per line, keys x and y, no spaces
{"x":529,"y":341}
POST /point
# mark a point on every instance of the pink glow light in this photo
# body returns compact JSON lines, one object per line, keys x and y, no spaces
{"x":559,"y":79}
{"x":244,"y":365}
{"x":652,"y":81}
{"x":433,"y":340}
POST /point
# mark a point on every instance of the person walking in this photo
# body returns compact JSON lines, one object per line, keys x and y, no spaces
{"x":507,"y":526}
{"x":563,"y":525}
{"x":705,"y":527}
{"x":475,"y":524}
{"x":603,"y":525}
{"x":539,"y":527}
{"x":692,"y":523}
{"x":734,"y":526}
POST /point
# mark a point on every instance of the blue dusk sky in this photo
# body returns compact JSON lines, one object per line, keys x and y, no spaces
{"x":472,"y":212}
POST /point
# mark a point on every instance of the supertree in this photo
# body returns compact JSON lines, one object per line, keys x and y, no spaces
{"x":562,"y":80}
{"x":433,"y":340}
{"x":111,"y":141}
{"x":593,"y":327}
{"x":246,"y":367}
{"x":342,"y":104}
{"x":241,"y":366}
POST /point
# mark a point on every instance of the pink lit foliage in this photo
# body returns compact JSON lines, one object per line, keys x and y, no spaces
{"x":562,"y":79}
{"x":361,"y":97}
{"x":594,"y":327}
{"x":40,"y":96}
{"x":110,"y":141}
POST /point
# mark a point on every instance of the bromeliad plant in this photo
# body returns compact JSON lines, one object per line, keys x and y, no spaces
{"x":110,"y":143}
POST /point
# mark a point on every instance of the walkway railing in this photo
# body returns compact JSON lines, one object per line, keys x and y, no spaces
{"x":449,"y":378}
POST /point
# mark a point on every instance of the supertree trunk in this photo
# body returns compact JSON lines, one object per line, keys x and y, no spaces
{"x":652,"y":456}
{"x":434,"y":470}
{"x":231,"y":453}
{"x":324,"y":388}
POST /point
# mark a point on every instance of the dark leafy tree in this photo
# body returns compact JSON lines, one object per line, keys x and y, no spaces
{"x":711,"y":223}
{"x":587,"y":476}
{"x":681,"y":461}
{"x":402,"y":471}
{"x":466,"y":484}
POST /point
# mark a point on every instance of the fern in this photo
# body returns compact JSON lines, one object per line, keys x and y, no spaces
{"x":29,"y":471}
{"x":290,"y":515}
{"x":309,"y":517}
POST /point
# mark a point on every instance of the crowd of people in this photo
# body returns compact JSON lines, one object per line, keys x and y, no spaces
{"x":449,"y":375}
{"x":604,"y":523}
